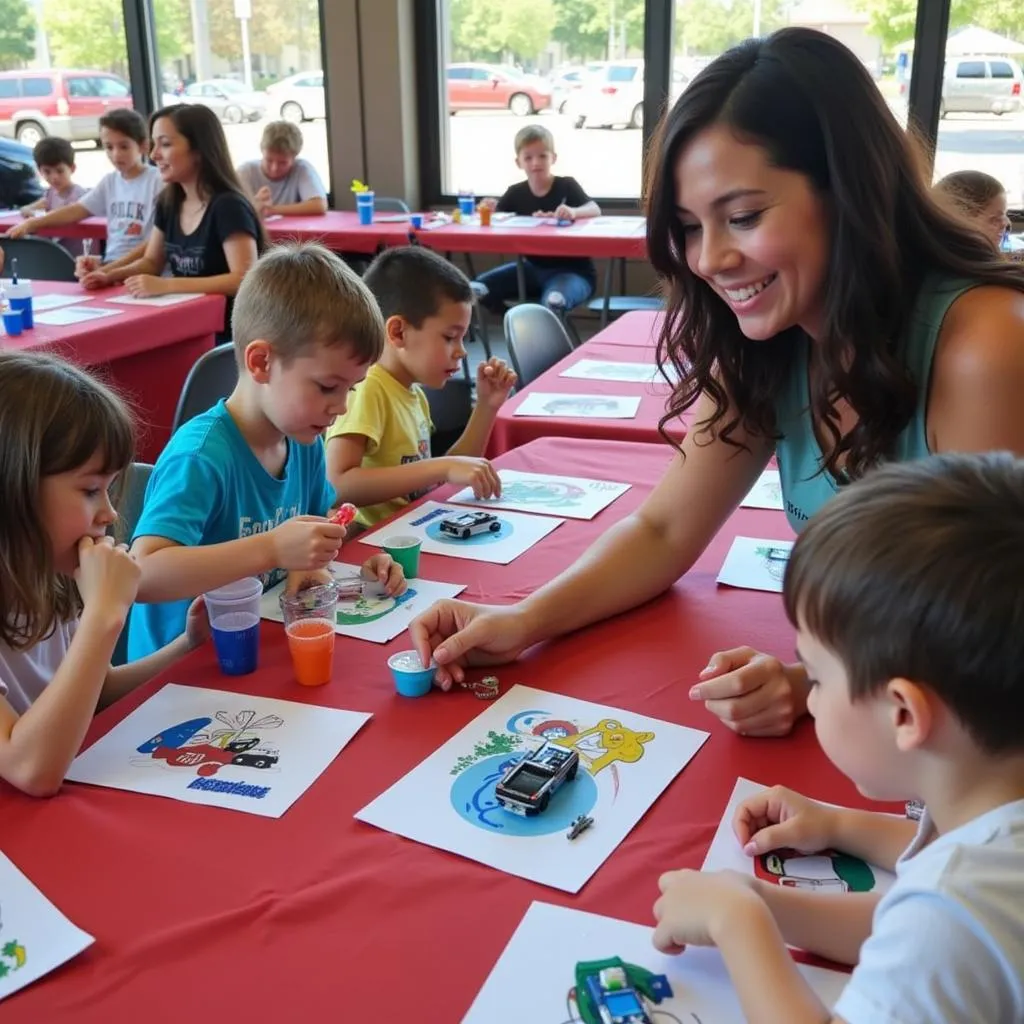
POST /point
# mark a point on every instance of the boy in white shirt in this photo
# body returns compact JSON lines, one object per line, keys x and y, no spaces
{"x":281,"y":183}
{"x":907,"y":593}
{"x":126,"y":197}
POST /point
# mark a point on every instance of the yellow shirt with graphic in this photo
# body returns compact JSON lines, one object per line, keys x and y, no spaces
{"x":395,"y":420}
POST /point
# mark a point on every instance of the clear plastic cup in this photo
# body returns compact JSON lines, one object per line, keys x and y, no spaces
{"x":234,"y":612}
{"x":309,"y":618}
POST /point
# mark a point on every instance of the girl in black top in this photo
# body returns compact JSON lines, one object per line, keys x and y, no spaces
{"x":206,"y":231}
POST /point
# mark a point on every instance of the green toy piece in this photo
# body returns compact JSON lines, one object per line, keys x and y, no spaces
{"x":653,"y":987}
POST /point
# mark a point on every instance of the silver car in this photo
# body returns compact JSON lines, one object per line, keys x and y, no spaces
{"x":981,"y":85}
{"x":228,"y":99}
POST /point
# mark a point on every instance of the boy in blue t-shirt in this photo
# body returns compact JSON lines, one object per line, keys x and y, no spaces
{"x":242,"y":489}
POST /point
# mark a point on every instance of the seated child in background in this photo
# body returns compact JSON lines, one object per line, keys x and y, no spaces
{"x":66,"y":589}
{"x":281,"y":183}
{"x":914,"y":642}
{"x":378,"y":453}
{"x":241,"y":490}
{"x":126,"y":197}
{"x":560,"y":282}
{"x":55,"y":159}
{"x":979,"y":197}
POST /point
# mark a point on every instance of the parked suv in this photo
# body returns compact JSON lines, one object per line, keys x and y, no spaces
{"x":68,"y":104}
{"x":977,"y":85}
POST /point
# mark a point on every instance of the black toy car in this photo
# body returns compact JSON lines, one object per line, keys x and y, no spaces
{"x":527,"y":786}
{"x":466,"y":524}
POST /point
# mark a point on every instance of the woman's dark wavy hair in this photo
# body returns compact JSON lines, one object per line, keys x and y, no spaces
{"x":205,"y":135}
{"x":811,"y":104}
{"x":54,"y":418}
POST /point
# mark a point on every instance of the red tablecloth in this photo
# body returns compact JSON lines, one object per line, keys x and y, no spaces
{"x":91,"y":227}
{"x":146,"y":351}
{"x":625,"y":237}
{"x":212,"y":915}
{"x":638,"y":329}
{"x":511,"y":430}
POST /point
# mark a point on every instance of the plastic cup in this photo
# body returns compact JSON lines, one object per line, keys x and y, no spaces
{"x":309,"y":618}
{"x":364,"y":207}
{"x":416,"y":220}
{"x":234,"y":612}
{"x":485,"y":216}
{"x":12,"y":321}
{"x":406,"y":552}
{"x":20,"y":296}
{"x":467,"y":205}
{"x":411,"y":678}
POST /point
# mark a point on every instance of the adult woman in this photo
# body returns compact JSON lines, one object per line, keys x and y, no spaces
{"x":821,"y":305}
{"x":206,"y":231}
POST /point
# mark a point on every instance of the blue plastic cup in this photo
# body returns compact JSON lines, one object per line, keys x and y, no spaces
{"x":467,"y":204}
{"x":416,"y":220}
{"x":23,"y":304}
{"x":411,"y":678}
{"x":13,"y":322}
{"x":364,"y":207}
{"x":234,"y":612}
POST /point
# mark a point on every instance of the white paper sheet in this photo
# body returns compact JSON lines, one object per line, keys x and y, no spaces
{"x":766,"y":493}
{"x":824,"y":872}
{"x":570,"y":496}
{"x":41,"y":303}
{"x":597,"y":407}
{"x":532,"y":978}
{"x":626,"y":761}
{"x":253,"y":754}
{"x":35,"y":937}
{"x":756,"y":564}
{"x":68,"y":315}
{"x":519,"y":222}
{"x":157,"y":300}
{"x":515,"y":534}
{"x":372,"y":616}
{"x":619,"y":227}
{"x":606,"y":369}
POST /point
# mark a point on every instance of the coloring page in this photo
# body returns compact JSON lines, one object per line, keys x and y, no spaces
{"x":616,"y":765}
{"x":594,"y":407}
{"x":370,"y":614}
{"x":537,"y":971}
{"x":604,"y":369}
{"x":756,"y":564}
{"x":35,"y":937}
{"x":253,"y":754}
{"x":464,"y":533}
{"x":766,"y":493}
{"x":570,"y":496}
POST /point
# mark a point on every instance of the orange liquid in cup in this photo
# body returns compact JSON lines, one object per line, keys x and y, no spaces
{"x":311,"y":642}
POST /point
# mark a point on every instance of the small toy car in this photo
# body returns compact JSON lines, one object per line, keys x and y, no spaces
{"x":467,"y":524}
{"x":616,"y":998}
{"x":527,"y":786}
{"x":579,"y":826}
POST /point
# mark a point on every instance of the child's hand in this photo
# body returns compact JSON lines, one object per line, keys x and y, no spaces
{"x":85,"y":265}
{"x":144,"y":286}
{"x":694,"y":904}
{"x":197,"y":624}
{"x":563,"y":212}
{"x":306,"y":542}
{"x":27,"y":211}
{"x":468,"y":471}
{"x":494,"y":380}
{"x":491,"y":203}
{"x":779,"y":818}
{"x":96,"y":280}
{"x":22,"y":229}
{"x":385,"y":570}
{"x":301,"y":580}
{"x":262,"y":201}
{"x":107,"y":576}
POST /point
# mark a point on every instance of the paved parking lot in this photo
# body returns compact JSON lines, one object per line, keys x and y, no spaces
{"x":607,"y":161}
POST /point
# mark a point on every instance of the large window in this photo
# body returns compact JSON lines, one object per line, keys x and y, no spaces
{"x":574,"y":66}
{"x":250,"y":61}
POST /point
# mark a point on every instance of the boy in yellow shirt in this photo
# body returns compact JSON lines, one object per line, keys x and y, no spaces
{"x":378,"y":452}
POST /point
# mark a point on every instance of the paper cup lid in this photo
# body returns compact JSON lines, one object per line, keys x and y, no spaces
{"x":241,"y":589}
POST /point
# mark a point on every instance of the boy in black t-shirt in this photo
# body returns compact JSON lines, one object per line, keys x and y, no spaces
{"x":560,"y":282}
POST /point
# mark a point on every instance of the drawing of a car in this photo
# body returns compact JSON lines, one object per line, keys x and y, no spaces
{"x":208,"y":759}
{"x":826,"y":871}
{"x":466,"y":524}
{"x":527,"y":786}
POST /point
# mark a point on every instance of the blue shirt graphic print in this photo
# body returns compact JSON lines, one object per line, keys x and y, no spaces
{"x":208,"y":487}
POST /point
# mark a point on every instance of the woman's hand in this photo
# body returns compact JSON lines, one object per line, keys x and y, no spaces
{"x":754,"y":694}
{"x":145,"y":286}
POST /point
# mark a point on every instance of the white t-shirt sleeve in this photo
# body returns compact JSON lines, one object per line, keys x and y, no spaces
{"x":927,"y":960}
{"x":248,"y":174}
{"x":97,"y":199}
{"x":309,"y":183}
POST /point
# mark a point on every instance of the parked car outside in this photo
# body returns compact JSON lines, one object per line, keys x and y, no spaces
{"x":19,"y":178}
{"x":298,"y":97}
{"x":977,"y":85}
{"x":490,"y":87}
{"x":65,"y":103}
{"x":565,"y":82}
{"x":228,"y":99}
{"x":615,"y":95}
